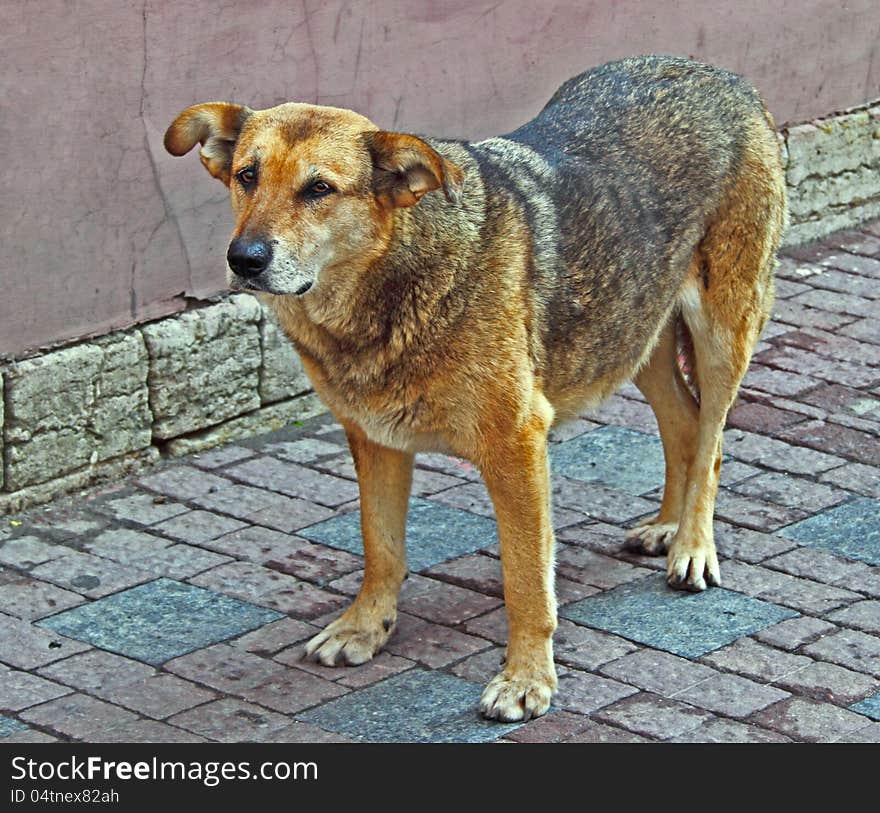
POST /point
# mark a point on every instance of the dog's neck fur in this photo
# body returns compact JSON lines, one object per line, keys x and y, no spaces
{"x":394,"y":304}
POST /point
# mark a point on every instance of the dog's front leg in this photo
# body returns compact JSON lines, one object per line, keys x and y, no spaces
{"x":384,"y":481}
{"x":516,"y":472}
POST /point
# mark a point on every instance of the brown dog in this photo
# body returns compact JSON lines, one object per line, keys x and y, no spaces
{"x":556,"y":263}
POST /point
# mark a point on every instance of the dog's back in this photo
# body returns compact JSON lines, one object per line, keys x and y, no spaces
{"x":619,"y":177}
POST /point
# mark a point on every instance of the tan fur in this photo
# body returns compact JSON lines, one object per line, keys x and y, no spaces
{"x":444,"y":326}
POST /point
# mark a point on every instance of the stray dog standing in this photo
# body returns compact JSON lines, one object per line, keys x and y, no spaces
{"x":645,"y":201}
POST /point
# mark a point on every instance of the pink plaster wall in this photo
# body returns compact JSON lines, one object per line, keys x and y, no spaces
{"x":102,"y":229}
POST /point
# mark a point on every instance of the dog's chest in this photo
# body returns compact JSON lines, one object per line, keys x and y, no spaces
{"x":408,"y":422}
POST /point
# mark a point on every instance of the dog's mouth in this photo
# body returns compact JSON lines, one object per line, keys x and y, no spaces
{"x":240,"y":284}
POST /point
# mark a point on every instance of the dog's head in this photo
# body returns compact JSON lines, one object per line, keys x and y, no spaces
{"x":313,"y":188}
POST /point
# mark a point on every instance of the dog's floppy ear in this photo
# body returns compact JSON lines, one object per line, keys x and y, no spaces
{"x":215,"y":125}
{"x":405,"y":168}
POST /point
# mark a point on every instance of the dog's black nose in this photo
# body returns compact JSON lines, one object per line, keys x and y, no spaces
{"x":248,"y":257}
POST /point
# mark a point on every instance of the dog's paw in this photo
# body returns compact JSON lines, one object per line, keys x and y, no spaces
{"x":692,"y":567}
{"x":651,"y":537}
{"x":348,"y":641}
{"x":512,"y":697}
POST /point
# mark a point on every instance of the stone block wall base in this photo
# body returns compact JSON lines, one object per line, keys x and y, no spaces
{"x":832,"y":170}
{"x":88,"y":477}
{"x":267,"y":419}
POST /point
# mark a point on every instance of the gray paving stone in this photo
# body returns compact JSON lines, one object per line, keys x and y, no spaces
{"x":851,"y":530}
{"x":159,"y":696}
{"x":141,"y":508}
{"x":731,"y":695}
{"x":147,"y":731}
{"x":294,"y":480}
{"x":262,"y":507}
{"x":268,"y":588}
{"x":790,"y":491}
{"x":795,"y":632}
{"x":776,"y":454}
{"x":28,"y":598}
{"x":734,"y":542}
{"x":801,"y":594}
{"x":599,"y":501}
{"x":810,"y":720}
{"x":182,"y":482}
{"x":89,"y":575}
{"x":870,"y":733}
{"x":584,"y":565}
{"x":756,"y":660}
{"x":231,"y":720}
{"x":98,"y":671}
{"x":19,"y":690}
{"x":849,"y":648}
{"x":27,"y":647}
{"x":27,"y":552}
{"x":820,"y":565}
{"x":442,"y":602}
{"x":863,"y":615}
{"x":686,"y":624}
{"x":197,"y":527}
{"x":160,"y":620}
{"x":223,"y":456}
{"x":598,"y":732}
{"x":482,"y":667}
{"x":304,"y":733}
{"x":125,"y":545}
{"x":657,"y":672}
{"x":718,"y":729}
{"x":653,"y":716}
{"x":289,"y":554}
{"x":303,"y":450}
{"x":79,"y":716}
{"x":181,"y":561}
{"x":228,"y":669}
{"x":415,"y":706}
{"x":435,"y":533}
{"x":870,"y":706}
{"x":431,"y":644}
{"x":559,"y":726}
{"x":586,"y":693}
{"x":829,"y":683}
{"x":9,"y":725}
{"x":27,"y":735}
{"x":614,"y":456}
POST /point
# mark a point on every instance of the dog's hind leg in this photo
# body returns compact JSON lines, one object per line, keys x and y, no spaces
{"x":677,"y":417}
{"x":725,"y":302}
{"x":384,"y":482}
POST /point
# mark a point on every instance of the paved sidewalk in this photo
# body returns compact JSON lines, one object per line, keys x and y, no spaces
{"x":173,"y":607}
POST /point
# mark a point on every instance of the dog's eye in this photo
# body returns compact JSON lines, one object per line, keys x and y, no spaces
{"x":246,"y":176}
{"x":317,"y":189}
